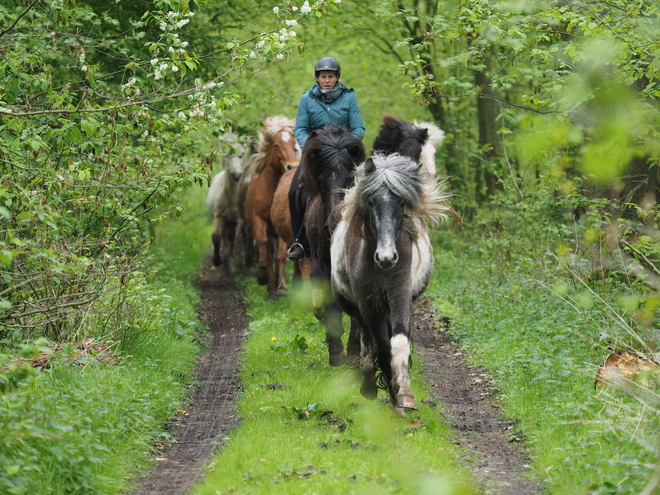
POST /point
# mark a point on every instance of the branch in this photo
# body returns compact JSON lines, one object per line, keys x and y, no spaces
{"x":13,"y":24}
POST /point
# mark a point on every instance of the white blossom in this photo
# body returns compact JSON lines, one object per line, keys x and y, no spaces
{"x":190,"y":14}
{"x":154,"y":61}
{"x":337,"y":1}
{"x":163,"y":66}
{"x":253,"y":54}
{"x":292,"y":34}
{"x":175,"y":68}
{"x":279,"y":56}
{"x":305,"y":9}
{"x":171,"y":49}
{"x":260,"y":45}
{"x":181,"y":115}
{"x":145,"y":134}
{"x":291,"y":22}
{"x":84,"y":68}
{"x":163,"y":26}
{"x":184,"y":44}
{"x":276,"y":10}
{"x":182,"y":23}
{"x":294,"y":8}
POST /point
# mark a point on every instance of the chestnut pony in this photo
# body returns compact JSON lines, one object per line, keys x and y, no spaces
{"x":276,"y":154}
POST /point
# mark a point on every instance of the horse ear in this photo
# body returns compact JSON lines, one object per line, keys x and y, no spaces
{"x":356,"y":153}
{"x":313,"y":134}
{"x":423,"y":135}
{"x":369,"y":166}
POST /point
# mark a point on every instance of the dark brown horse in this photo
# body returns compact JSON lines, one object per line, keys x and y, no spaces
{"x":327,"y":166}
{"x":382,"y":259}
{"x":277,"y":154}
{"x":416,"y":141}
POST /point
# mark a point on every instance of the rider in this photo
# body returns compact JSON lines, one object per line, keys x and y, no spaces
{"x":327,"y":102}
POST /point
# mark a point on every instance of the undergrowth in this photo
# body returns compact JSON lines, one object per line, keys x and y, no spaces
{"x":533,"y":308}
{"x":86,"y":426}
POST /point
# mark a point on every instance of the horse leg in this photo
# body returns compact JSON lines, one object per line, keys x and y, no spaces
{"x":400,"y":350}
{"x":334,"y":330}
{"x":281,"y":265}
{"x":354,"y":345}
{"x":368,"y":384}
{"x":261,"y":238}
{"x":226,"y":246}
{"x":216,"y":238}
{"x":271,"y":256}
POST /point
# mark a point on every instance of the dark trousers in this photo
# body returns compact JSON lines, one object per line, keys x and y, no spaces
{"x":297,"y":210}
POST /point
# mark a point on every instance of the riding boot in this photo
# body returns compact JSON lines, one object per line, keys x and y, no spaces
{"x":298,"y":250}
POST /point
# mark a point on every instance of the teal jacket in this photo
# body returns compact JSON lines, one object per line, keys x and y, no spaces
{"x":317,"y":110}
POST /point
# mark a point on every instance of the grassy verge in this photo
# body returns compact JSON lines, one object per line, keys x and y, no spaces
{"x":88,"y":427}
{"x":306,"y":429}
{"x":543,"y":333}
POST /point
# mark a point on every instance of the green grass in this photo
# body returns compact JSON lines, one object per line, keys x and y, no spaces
{"x":346,"y":444}
{"x":544,"y":353}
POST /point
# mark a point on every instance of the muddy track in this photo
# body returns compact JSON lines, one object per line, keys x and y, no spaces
{"x":490,"y":442}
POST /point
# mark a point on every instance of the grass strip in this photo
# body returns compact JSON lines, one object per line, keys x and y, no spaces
{"x":306,"y":429}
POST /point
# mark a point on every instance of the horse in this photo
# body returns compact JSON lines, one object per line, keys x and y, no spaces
{"x":327,"y":166}
{"x":416,"y":141}
{"x":281,"y":219}
{"x":382,"y":260}
{"x":277,"y":154}
{"x":222,"y":198}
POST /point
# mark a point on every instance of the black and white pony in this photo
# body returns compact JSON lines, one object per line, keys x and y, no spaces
{"x":417,"y":141}
{"x":222,"y":200}
{"x":382,"y":260}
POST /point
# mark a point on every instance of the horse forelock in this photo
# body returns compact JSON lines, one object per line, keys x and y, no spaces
{"x":330,"y":153}
{"x":424,"y":197}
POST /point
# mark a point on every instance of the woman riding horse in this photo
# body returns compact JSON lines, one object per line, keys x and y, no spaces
{"x":328,"y":102}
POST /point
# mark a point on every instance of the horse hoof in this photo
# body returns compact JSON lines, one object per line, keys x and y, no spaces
{"x":262,"y":280}
{"x":337,"y":359}
{"x":406,"y":402}
{"x":282,"y":292}
{"x":272,"y":297}
{"x":369,"y":393}
{"x":217,"y":262}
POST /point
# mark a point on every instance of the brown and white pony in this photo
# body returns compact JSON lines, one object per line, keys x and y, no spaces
{"x":382,"y":259}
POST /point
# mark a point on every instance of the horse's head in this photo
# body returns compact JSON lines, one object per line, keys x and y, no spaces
{"x":236,"y":152}
{"x":389,"y":189}
{"x":329,"y":162}
{"x":399,"y":136}
{"x":281,"y":142}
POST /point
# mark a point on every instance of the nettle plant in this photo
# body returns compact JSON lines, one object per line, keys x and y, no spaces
{"x":99,"y":108}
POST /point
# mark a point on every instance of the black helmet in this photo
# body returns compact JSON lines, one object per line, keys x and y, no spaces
{"x":327,"y":63}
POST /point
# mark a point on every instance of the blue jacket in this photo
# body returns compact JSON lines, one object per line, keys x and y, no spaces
{"x":317,"y":110}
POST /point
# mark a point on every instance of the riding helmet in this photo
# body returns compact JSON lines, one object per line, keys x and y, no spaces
{"x":327,"y":63}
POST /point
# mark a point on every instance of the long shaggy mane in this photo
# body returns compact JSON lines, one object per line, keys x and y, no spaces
{"x":272,"y":125}
{"x":425,"y":200}
{"x":329,"y":151}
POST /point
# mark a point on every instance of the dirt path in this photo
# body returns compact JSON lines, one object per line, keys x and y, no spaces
{"x":210,"y":413}
{"x":465,"y":391}
{"x":492,"y":444}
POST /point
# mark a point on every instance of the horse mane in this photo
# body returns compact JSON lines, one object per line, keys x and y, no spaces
{"x":325,"y":152}
{"x":424,"y":199}
{"x":272,"y":125}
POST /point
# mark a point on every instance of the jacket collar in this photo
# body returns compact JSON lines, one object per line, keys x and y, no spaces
{"x":328,"y":96}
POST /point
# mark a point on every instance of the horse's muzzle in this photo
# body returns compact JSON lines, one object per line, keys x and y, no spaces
{"x":386,"y":262}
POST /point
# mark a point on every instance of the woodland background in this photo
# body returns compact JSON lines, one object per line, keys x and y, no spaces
{"x":108,"y":110}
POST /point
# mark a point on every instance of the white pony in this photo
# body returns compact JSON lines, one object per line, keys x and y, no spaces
{"x":222,"y":200}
